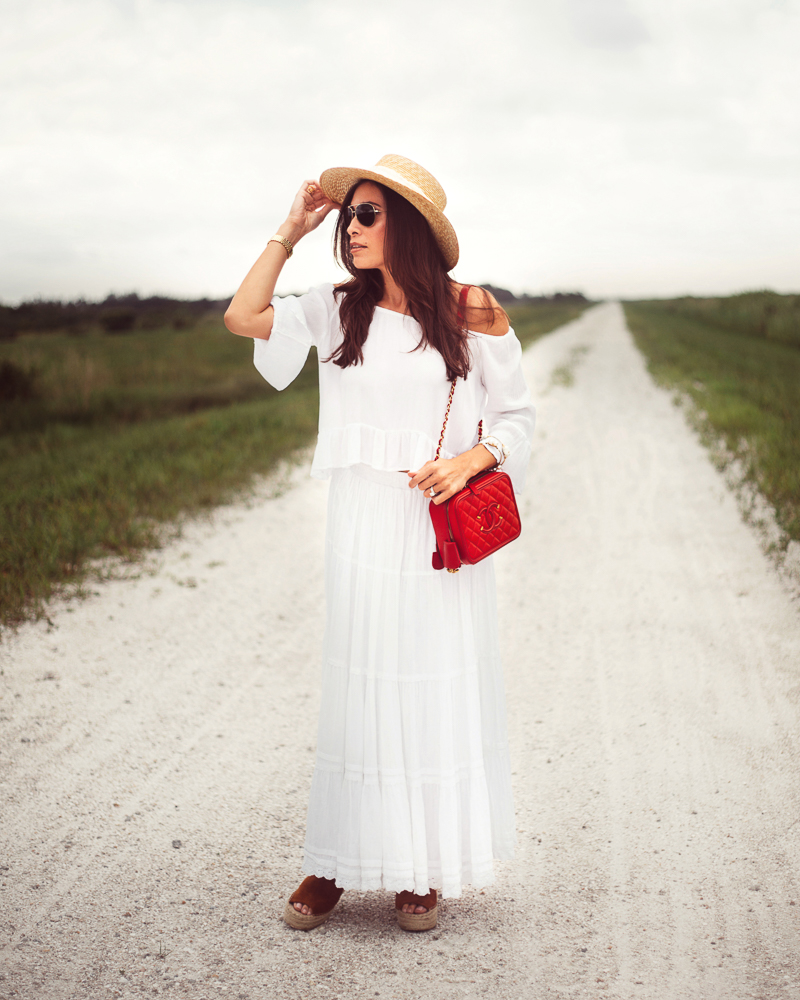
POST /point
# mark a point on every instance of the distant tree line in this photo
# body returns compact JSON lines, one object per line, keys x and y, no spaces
{"x":504,"y":297}
{"x":119,"y":314}
{"x":115,"y":314}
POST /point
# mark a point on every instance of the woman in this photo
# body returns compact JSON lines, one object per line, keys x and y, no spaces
{"x":411,"y":789}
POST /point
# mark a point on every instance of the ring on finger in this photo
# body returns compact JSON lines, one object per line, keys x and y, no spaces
{"x":310,"y":189}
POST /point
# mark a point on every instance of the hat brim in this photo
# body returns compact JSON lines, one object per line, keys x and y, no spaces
{"x":337,"y":181}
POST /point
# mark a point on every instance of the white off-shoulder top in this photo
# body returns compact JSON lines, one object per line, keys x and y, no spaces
{"x":388,"y":412}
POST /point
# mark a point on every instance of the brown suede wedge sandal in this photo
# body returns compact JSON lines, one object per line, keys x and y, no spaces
{"x":320,"y":895}
{"x":417,"y":921}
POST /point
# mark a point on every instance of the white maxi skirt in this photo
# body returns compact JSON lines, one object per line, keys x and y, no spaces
{"x":412,"y":783}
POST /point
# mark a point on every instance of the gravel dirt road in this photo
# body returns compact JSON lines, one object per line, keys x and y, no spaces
{"x":157,"y":743}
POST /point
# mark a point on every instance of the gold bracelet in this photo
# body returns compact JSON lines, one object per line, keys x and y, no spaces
{"x":496,"y":449}
{"x":287,"y":246}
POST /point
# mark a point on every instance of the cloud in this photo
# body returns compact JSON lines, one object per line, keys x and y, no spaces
{"x":621,"y":147}
{"x":607,"y":23}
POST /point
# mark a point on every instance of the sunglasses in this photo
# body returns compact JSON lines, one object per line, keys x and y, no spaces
{"x":365,"y":213}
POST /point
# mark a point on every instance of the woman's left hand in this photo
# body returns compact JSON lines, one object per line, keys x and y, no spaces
{"x":447,"y":476}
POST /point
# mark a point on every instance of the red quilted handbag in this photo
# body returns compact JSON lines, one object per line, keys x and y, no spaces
{"x":479,"y":519}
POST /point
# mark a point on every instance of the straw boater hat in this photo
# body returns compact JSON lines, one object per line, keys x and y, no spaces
{"x":410,"y":180}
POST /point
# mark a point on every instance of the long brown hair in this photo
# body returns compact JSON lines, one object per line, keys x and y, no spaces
{"x":415,"y":261}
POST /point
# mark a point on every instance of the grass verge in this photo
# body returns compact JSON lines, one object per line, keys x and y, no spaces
{"x":745,"y":389}
{"x":106,"y":492}
{"x":105,"y":439}
{"x":532,"y":321}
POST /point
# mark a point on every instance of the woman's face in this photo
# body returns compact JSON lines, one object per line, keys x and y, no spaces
{"x":366,"y":242}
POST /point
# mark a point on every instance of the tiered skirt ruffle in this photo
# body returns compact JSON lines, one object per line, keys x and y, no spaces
{"x":411,"y":786}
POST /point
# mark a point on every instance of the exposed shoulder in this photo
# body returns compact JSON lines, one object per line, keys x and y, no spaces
{"x":484,"y":313}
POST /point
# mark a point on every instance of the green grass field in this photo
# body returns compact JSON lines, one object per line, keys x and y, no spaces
{"x":105,"y":438}
{"x":757,"y":315}
{"x":743,"y":380}
{"x":532,"y":321}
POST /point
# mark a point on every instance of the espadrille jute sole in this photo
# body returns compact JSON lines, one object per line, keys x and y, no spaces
{"x":418,"y":921}
{"x":304,"y":921}
{"x":320,"y":895}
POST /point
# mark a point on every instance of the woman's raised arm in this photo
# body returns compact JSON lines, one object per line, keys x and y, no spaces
{"x":250,"y":313}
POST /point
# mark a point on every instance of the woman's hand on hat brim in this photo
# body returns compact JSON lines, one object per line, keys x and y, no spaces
{"x":310,"y":206}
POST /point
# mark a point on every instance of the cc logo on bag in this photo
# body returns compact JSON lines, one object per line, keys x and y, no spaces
{"x":490,"y":517}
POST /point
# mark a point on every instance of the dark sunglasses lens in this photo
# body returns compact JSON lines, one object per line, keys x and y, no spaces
{"x":364,"y":213}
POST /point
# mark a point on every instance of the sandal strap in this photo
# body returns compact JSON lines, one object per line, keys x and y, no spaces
{"x":320,"y":895}
{"x":401,"y":898}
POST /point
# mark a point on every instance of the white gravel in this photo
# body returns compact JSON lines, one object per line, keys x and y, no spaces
{"x":156,"y":745}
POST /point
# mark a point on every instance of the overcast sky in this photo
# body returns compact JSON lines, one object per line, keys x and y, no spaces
{"x":620,"y":147}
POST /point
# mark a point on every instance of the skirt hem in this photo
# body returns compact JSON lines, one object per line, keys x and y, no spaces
{"x":447,"y":888}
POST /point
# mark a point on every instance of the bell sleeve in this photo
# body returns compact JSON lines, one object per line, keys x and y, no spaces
{"x":300,"y":321}
{"x":509,"y":414}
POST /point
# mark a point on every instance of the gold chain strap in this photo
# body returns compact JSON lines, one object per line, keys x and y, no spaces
{"x":461,"y":319}
{"x":446,"y":415}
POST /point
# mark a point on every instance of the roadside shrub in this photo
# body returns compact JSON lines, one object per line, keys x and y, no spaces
{"x":16,"y":383}
{"x":118,"y":320}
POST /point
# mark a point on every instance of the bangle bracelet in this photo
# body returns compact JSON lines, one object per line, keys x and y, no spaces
{"x":287,"y":246}
{"x":496,"y":449}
